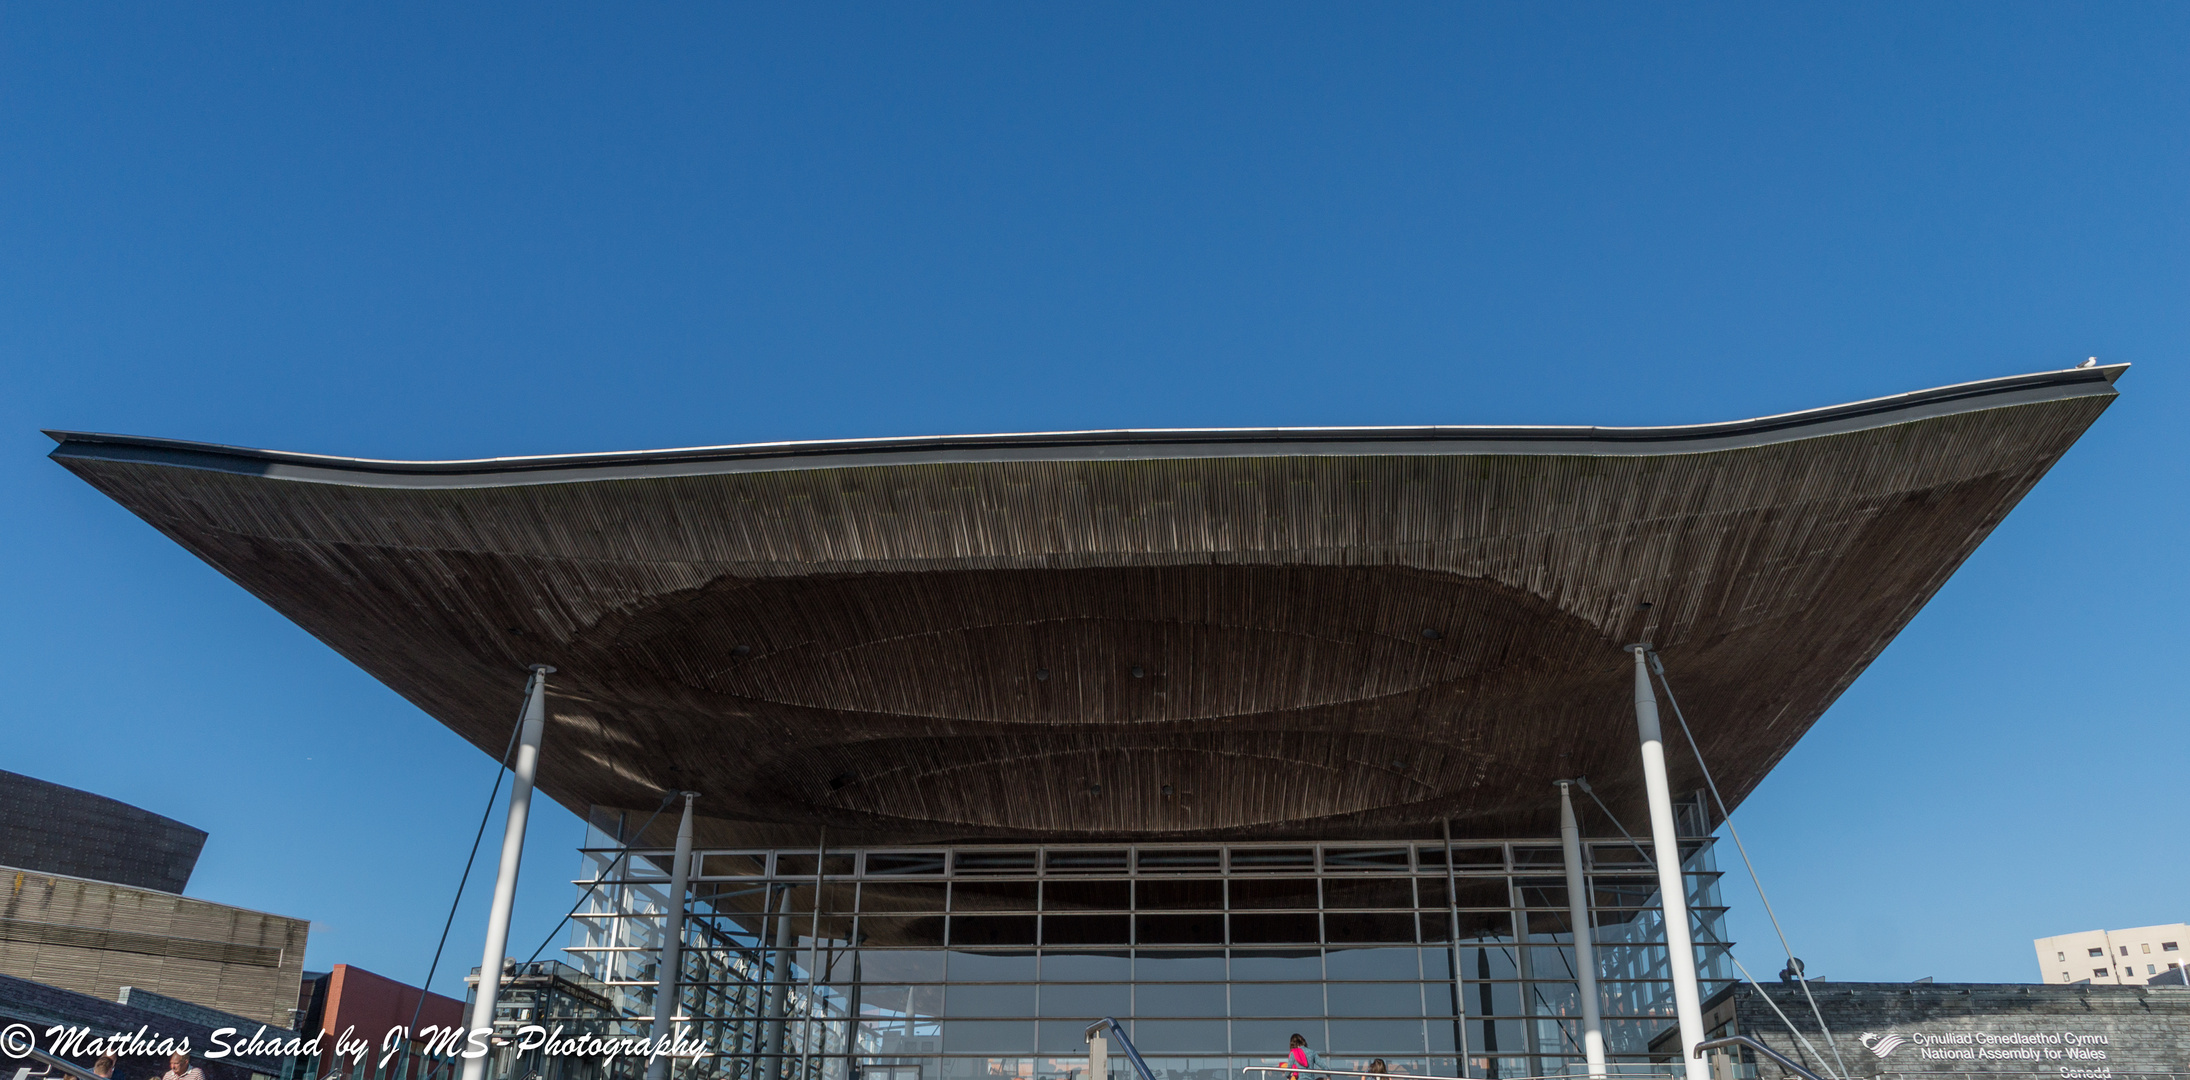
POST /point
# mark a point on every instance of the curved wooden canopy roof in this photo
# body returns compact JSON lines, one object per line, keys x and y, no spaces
{"x":1342,"y":632}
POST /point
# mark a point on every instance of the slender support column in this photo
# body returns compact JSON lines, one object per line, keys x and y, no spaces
{"x":1672,"y":887}
{"x":779,"y":993}
{"x":1585,"y":948}
{"x":513,"y":850}
{"x":1098,"y":1056}
{"x":669,"y":970}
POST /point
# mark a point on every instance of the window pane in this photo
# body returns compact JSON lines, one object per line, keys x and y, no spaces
{"x":1376,"y":999}
{"x":1180,"y":859}
{"x":1350,"y":926}
{"x":995,"y":862}
{"x":1180,"y":929}
{"x":1091,"y":1000}
{"x":1070,"y":861}
{"x":1269,"y":1038}
{"x":1440,"y":999}
{"x":1086,"y":967}
{"x":1494,"y":963}
{"x":1276,"y":965}
{"x":1275,"y":929}
{"x":1386,"y":1038}
{"x":1087,"y":895}
{"x":896,"y":896}
{"x":1542,"y":892}
{"x":992,"y":929}
{"x":1273,"y":858}
{"x":1491,"y":999}
{"x":1164,"y":966}
{"x":1087,"y":929}
{"x":907,"y":930}
{"x":1488,"y":1037}
{"x":905,"y":862}
{"x":1156,"y":1036}
{"x":919,"y":1001}
{"x":988,"y":1037}
{"x":1062,"y":1037}
{"x":976,"y":999}
{"x":1277,"y":999}
{"x":992,"y":967}
{"x":992,"y":896}
{"x":1178,"y":999}
{"x":1191,"y":894}
{"x":1351,"y":859}
{"x":1377,"y":892}
{"x":1273,"y":893}
{"x":890,"y":966}
{"x":1386,"y":964}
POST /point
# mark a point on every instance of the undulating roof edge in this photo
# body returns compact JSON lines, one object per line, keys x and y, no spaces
{"x":1120,"y":445}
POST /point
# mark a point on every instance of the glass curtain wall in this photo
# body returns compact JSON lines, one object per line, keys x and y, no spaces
{"x":985,"y":962}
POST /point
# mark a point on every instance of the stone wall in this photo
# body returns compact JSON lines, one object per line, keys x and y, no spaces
{"x":1893,"y":1030}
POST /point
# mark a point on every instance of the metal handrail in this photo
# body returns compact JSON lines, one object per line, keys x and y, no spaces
{"x":1132,"y":1053}
{"x":1782,"y":1060}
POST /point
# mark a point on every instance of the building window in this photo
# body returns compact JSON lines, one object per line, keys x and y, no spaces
{"x":2147,"y":946}
{"x":2168,"y":946}
{"x":2064,"y":976}
{"x":2061,"y":956}
{"x":2098,"y":973}
{"x":2098,"y":952}
{"x":2150,"y":970}
{"x":2125,"y":950}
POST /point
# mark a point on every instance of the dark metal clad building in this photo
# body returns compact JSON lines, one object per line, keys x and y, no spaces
{"x":1236,"y":634}
{"x":60,"y":830}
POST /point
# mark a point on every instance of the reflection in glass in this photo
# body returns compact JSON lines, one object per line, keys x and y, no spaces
{"x":1277,"y":999}
{"x":1178,"y":966}
{"x":1179,"y":999}
{"x":991,"y":967}
{"x":1086,"y":967}
{"x":1387,"y":964}
{"x":1276,"y":965}
{"x":1376,"y":999}
{"x":988,"y":999}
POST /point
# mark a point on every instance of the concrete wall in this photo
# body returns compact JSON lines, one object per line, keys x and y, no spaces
{"x":1976,"y":1029}
{"x":94,"y":938}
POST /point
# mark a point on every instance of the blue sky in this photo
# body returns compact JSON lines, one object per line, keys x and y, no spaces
{"x":436,"y":231}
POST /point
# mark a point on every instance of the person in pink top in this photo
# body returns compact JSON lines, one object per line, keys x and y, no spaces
{"x":1301,"y":1059}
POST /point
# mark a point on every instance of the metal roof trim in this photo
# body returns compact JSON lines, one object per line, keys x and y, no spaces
{"x":1113,"y":445}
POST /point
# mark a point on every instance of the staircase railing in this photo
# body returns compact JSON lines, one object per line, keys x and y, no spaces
{"x":1099,"y":1065}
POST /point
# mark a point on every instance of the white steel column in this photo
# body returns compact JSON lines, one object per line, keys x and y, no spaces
{"x":1672,"y":886}
{"x":1585,"y":948}
{"x":670,"y":968}
{"x":779,"y":994}
{"x":513,"y":850}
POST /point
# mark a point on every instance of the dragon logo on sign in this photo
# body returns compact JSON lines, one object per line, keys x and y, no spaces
{"x":1881,"y":1045}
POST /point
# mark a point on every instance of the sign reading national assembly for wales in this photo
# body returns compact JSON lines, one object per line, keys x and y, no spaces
{"x":2080,"y":1056}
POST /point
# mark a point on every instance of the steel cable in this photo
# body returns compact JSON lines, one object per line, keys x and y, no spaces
{"x":1794,"y":966}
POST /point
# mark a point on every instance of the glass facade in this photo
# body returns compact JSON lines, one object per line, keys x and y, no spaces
{"x":951,"y":963}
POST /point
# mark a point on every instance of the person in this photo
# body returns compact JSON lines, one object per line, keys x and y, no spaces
{"x":179,"y":1068}
{"x":104,"y":1067}
{"x":1379,"y":1068}
{"x":1301,"y":1059}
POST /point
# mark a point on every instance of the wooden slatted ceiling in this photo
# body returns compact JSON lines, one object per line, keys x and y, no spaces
{"x":1334,"y":645}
